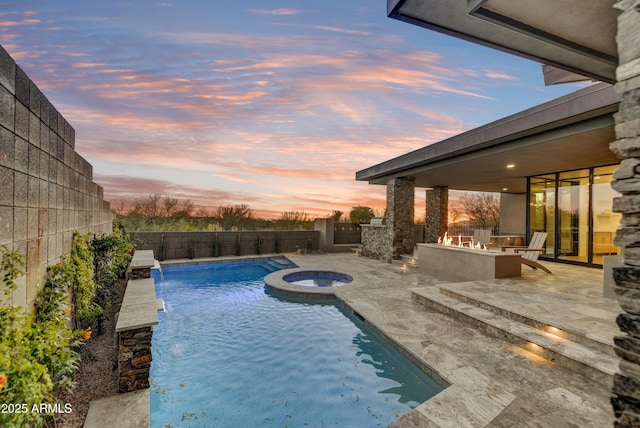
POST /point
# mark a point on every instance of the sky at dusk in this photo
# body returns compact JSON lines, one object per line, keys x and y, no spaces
{"x":274,"y":104}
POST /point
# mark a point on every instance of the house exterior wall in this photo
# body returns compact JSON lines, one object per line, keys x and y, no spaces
{"x":513,"y":214}
{"x":46,"y":187}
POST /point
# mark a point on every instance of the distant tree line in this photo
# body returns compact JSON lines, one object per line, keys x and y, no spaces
{"x":164,"y":213}
{"x":482,"y":210}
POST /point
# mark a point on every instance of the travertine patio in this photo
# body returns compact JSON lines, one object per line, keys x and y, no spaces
{"x":493,"y":382}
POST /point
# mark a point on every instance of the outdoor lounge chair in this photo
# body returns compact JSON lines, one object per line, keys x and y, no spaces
{"x":529,"y":255}
{"x":482,"y":237}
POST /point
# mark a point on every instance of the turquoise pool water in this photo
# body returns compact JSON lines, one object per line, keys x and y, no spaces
{"x":227,"y":354}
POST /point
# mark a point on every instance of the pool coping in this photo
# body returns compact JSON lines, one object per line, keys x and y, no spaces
{"x":275,"y":283}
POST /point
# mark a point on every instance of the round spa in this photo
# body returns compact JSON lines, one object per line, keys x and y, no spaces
{"x":317,"y":278}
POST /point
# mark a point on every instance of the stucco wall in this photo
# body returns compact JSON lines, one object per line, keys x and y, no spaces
{"x":513,"y":214}
{"x":46,"y":187}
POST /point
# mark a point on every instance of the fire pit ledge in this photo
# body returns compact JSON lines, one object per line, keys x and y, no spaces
{"x":466,"y":264}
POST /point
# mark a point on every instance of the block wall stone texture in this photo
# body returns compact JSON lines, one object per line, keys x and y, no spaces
{"x":626,"y":388}
{"x":437,"y":214}
{"x":46,"y":187}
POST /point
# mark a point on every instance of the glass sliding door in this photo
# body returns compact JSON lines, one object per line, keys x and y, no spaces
{"x":574,"y":208}
{"x":573,"y":216}
{"x":605,"y":222}
{"x":542,"y":208}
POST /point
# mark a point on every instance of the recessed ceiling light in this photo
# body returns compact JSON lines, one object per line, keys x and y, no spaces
{"x":504,"y":189}
{"x":511,"y":165}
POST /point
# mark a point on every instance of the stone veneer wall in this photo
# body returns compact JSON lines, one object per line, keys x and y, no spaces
{"x":377,"y":242}
{"x":134,"y":359}
{"x":46,"y":187}
{"x":437,"y":213}
{"x":400,"y":213}
{"x":397,"y":236}
{"x":626,"y":386}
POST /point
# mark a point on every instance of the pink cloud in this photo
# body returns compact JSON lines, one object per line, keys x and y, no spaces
{"x":278,"y":12}
{"x":499,"y":75}
{"x":19,"y":23}
{"x":87,"y":64}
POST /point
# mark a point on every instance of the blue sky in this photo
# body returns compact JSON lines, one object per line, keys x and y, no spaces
{"x":274,"y":104}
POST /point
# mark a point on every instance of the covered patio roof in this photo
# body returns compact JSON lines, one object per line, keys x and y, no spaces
{"x":573,"y":35}
{"x":570,"y":132}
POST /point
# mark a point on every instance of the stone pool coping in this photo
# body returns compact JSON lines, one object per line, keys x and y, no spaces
{"x":275,"y":283}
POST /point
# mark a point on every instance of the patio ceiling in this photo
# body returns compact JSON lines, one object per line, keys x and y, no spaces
{"x":574,"y":35}
{"x":570,"y":132}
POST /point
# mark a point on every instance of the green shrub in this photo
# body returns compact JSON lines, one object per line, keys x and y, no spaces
{"x":36,"y":355}
{"x":37,"y":351}
{"x":111,"y":257}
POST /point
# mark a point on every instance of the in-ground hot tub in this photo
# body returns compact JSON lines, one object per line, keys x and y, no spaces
{"x":317,"y":278}
{"x":308,"y":283}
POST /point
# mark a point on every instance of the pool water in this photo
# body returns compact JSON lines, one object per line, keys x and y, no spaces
{"x":227,"y":354}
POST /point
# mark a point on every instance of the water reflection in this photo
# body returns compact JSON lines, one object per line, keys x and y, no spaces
{"x":412,"y":386}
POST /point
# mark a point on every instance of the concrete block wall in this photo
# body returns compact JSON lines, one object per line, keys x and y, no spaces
{"x":346,"y":233}
{"x":177,"y":244}
{"x":46,"y":187}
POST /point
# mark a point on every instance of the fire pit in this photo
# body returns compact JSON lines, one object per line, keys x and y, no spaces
{"x":459,"y":263}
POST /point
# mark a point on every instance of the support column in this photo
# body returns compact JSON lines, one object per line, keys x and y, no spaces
{"x":626,"y":384}
{"x":400,"y":213}
{"x":437,"y":214}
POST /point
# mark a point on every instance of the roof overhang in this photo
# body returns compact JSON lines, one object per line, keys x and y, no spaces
{"x":574,"y":35}
{"x":570,"y":132}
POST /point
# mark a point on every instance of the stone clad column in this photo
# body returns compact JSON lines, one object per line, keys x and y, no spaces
{"x":437,"y":215}
{"x":626,"y":384}
{"x":400,"y":213}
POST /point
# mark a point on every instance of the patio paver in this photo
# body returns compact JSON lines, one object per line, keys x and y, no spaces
{"x":493,"y":382}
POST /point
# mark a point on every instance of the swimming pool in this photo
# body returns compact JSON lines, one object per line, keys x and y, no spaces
{"x":227,"y":354}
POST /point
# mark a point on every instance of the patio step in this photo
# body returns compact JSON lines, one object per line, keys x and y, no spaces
{"x":547,"y":325}
{"x":589,"y":361}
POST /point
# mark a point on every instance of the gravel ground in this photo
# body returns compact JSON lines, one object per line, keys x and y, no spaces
{"x":97,"y":375}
